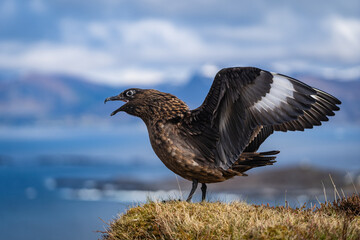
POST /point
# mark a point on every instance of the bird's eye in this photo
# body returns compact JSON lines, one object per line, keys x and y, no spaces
{"x":130,"y":93}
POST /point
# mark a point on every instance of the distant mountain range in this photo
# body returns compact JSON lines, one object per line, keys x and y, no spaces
{"x":39,"y":98}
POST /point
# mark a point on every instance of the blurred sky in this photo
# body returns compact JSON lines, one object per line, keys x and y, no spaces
{"x":119,"y":42}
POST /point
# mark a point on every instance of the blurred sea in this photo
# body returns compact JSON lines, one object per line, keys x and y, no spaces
{"x":33,"y":206}
{"x":331,"y":145}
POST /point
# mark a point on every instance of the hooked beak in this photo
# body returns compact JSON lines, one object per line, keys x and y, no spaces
{"x":119,"y":97}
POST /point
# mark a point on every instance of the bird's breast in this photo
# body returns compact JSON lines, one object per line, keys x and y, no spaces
{"x":177,"y":155}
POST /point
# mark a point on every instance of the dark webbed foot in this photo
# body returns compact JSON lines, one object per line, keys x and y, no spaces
{"x":194,"y":186}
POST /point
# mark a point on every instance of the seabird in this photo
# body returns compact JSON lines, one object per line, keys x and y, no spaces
{"x":220,"y":139}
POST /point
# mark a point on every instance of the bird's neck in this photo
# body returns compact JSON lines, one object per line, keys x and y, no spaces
{"x":165,"y":108}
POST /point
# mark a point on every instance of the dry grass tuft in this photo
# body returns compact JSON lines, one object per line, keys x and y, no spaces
{"x":350,"y":206}
{"x":237,"y":220}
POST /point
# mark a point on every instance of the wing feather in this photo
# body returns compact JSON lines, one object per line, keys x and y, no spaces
{"x":245,"y":105}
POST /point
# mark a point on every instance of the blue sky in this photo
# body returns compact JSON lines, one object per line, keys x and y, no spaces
{"x":119,"y":42}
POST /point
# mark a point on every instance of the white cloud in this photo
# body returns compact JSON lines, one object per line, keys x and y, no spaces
{"x":126,"y":76}
{"x":327,"y":71}
{"x":97,"y":66}
{"x":142,"y":52}
{"x":345,"y":38}
{"x":161,"y":40}
{"x":209,"y":70}
{"x":343,"y":74}
{"x":151,"y":51}
{"x":339,"y":42}
{"x":52,"y":57}
{"x":148,"y":40}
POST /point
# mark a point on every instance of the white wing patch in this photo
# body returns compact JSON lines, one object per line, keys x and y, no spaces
{"x":280,"y":89}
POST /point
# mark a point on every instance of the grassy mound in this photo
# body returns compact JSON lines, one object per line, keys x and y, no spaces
{"x":237,"y":220}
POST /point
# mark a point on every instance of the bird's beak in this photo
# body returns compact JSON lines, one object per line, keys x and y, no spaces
{"x":119,"y":97}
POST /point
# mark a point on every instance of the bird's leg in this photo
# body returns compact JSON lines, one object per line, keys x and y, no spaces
{"x":194,"y":186}
{"x":203,"y":190}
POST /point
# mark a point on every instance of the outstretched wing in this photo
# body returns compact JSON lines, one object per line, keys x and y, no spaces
{"x":243,"y":100}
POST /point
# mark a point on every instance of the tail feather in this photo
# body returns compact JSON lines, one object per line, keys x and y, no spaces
{"x":250,"y":160}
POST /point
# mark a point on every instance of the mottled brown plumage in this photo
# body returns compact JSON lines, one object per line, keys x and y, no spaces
{"x":219,"y":140}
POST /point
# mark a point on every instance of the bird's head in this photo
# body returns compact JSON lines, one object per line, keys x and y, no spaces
{"x":133,"y":98}
{"x":149,"y":104}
